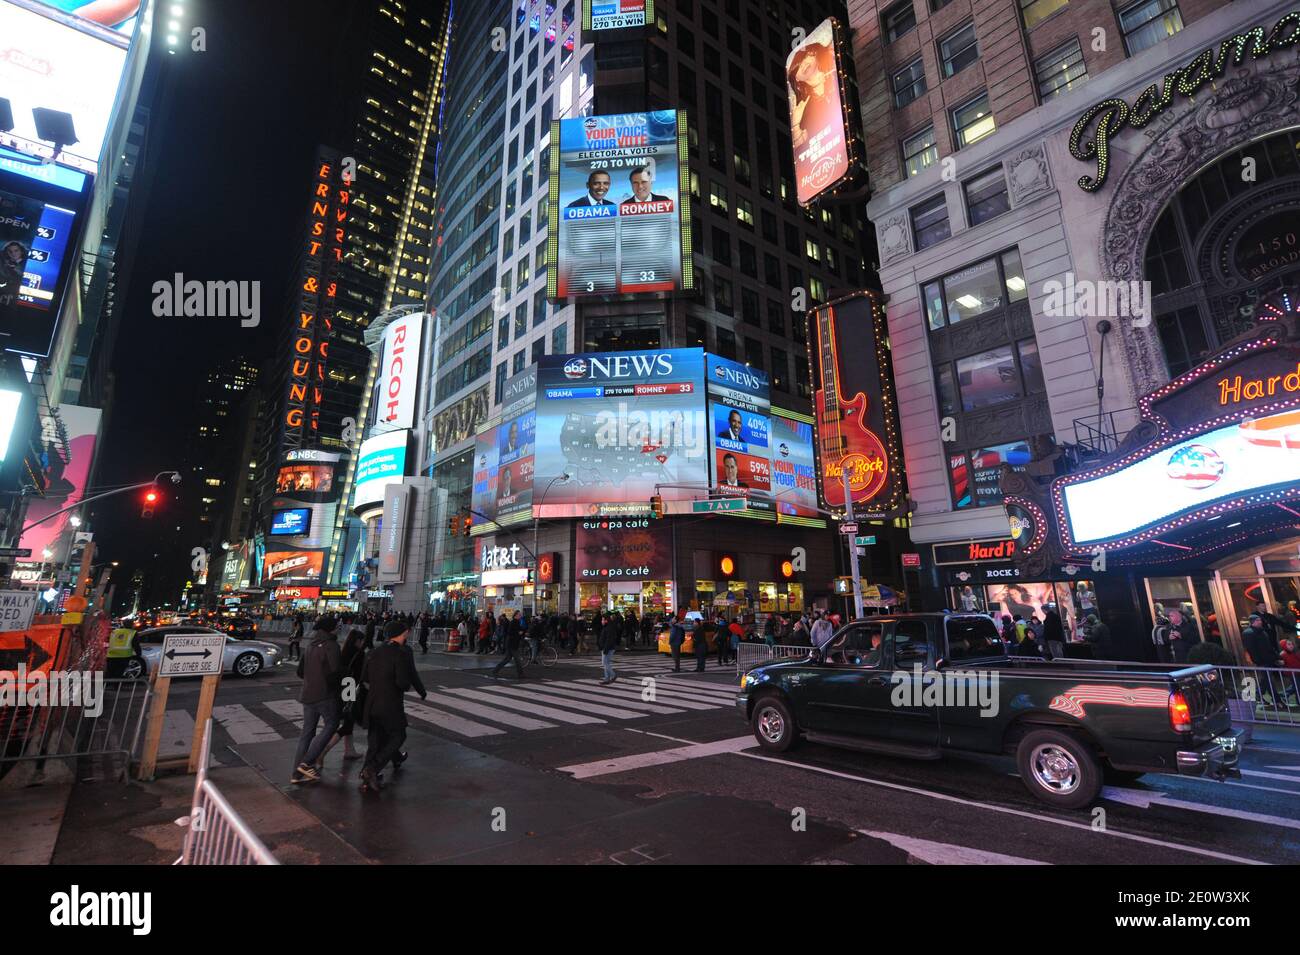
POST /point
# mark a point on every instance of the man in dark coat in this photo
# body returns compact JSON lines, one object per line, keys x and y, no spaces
{"x":388,"y":673}
{"x":607,"y":643}
{"x":700,"y":640}
{"x":321,"y":673}
{"x":677,"y":637}
{"x":514,"y":635}
{"x":1256,"y":640}
{"x":1053,"y":634}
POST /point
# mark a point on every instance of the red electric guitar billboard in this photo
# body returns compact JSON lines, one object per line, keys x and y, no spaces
{"x":856,"y":423}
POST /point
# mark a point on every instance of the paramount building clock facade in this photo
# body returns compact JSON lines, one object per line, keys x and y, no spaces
{"x":1089,"y":231}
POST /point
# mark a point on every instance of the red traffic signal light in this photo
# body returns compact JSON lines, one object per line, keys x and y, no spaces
{"x":656,"y":506}
{"x":469,"y":522}
{"x":150,"y":499}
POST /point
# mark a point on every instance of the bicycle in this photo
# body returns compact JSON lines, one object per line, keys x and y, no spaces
{"x":546,"y":655}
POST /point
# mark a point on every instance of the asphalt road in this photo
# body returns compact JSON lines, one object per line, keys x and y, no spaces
{"x":557,"y":769}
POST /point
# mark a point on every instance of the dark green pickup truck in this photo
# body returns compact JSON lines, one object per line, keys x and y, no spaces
{"x":920,"y":685}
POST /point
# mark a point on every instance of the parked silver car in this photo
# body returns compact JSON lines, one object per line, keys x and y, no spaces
{"x":241,"y":657}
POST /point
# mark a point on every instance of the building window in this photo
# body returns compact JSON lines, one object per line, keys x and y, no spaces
{"x":517,"y":364}
{"x":521,"y":320}
{"x":697,"y":333}
{"x":559,"y":339}
{"x":1147,"y":23}
{"x":745,"y":212}
{"x":973,"y":121}
{"x":974,"y":290}
{"x":801,"y":380}
{"x":539,"y":349}
{"x":898,"y":20}
{"x":1060,"y":71}
{"x":1036,"y":11}
{"x":975,"y":475}
{"x":812,"y":250}
{"x":500,"y":381}
{"x":726,"y":343}
{"x":780,"y":368}
{"x":721,"y":246}
{"x":930,"y":222}
{"x":771,"y":270}
{"x":503,"y":332}
{"x":539,"y":307}
{"x":723,"y":299}
{"x":776,"y":319}
{"x":959,"y":50}
{"x":909,"y":83}
{"x":937,"y":5}
{"x":919,"y":152}
{"x":989,"y":378}
{"x":718,"y":198}
{"x":749,"y":306}
{"x":986,"y":196}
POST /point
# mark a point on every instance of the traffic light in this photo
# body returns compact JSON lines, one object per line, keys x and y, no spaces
{"x":468,"y":522}
{"x":453,"y":526}
{"x":656,"y":506}
{"x":146,"y":506}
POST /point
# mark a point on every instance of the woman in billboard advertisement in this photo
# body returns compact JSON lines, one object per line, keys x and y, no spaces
{"x":814,"y":94}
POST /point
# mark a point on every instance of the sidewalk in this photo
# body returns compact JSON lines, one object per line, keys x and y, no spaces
{"x":96,"y":822}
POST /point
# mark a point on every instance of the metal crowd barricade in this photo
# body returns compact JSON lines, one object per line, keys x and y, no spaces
{"x":438,"y":638}
{"x":1264,"y":695}
{"x":69,"y":731}
{"x":750,"y":655}
{"x":215,"y":834}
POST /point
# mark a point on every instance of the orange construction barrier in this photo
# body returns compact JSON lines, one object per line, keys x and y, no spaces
{"x":453,"y":640}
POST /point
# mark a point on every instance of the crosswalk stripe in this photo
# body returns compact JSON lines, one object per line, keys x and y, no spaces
{"x":632,"y":691}
{"x":600,"y":694}
{"x":537,"y":710}
{"x":290,"y":710}
{"x":692,"y":693}
{"x":242,"y":725}
{"x":488,"y":713}
{"x":447,"y":721}
{"x":578,"y":700}
{"x":727,"y":692}
{"x":700,"y":701}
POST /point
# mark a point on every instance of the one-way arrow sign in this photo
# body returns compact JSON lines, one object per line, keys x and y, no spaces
{"x":192,"y":654}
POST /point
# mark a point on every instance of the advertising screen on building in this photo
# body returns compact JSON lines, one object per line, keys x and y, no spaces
{"x":285,"y":565}
{"x":739,"y":429}
{"x":616,"y":14}
{"x":619,"y":423}
{"x":854,"y":405}
{"x":381,"y":461}
{"x":290,"y":522}
{"x":69,"y":434}
{"x":631,"y":549}
{"x":1242,"y":464}
{"x":794,"y":465}
{"x":40,"y":208}
{"x":483,"y":497}
{"x":117,"y":15}
{"x":398,"y":383}
{"x":824,"y":147}
{"x":73,"y":67}
{"x":305,"y":478}
{"x":617,"y":220}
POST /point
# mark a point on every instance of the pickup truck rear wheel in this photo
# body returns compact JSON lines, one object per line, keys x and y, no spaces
{"x":1058,"y":768}
{"x":773,"y":724}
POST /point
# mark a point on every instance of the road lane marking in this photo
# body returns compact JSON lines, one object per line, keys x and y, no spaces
{"x":243,"y":726}
{"x":572,"y":698}
{"x":944,"y":853}
{"x":290,"y":710}
{"x":631,"y":702}
{"x":499,"y":699}
{"x":944,"y":797}
{"x":489,"y":713}
{"x":622,"y":764}
{"x":1144,"y":799}
{"x":447,"y":721}
{"x":632,"y":692}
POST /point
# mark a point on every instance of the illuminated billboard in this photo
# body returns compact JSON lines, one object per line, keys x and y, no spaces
{"x":619,"y":423}
{"x":618,"y":220}
{"x":291,"y":522}
{"x":616,"y":14}
{"x":381,"y":462}
{"x":290,"y":565}
{"x":626,"y":549}
{"x":794,"y":465}
{"x":826,"y":152}
{"x":117,"y":15}
{"x":1153,"y":490}
{"x":68,"y":435}
{"x":739,"y":428}
{"x":397,"y":384}
{"x":305,"y":479}
{"x":72,"y":67}
{"x":855,"y":411}
{"x":39,"y":220}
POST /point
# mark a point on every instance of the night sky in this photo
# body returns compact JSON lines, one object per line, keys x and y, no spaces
{"x":234,"y":132}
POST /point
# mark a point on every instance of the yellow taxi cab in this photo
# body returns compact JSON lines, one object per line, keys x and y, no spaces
{"x":688,"y":645}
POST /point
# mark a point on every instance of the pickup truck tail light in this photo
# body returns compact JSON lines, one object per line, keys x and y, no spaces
{"x":1180,"y":714}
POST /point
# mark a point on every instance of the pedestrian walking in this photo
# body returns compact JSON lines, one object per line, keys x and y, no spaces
{"x":1099,"y":637}
{"x":574,"y":628}
{"x":388,"y":673}
{"x":466,"y":634}
{"x":676,"y":637}
{"x":513,"y":637}
{"x":821,"y":631}
{"x":1053,"y":634}
{"x":1183,"y":635}
{"x":424,"y":632}
{"x":607,"y":644}
{"x":295,"y":639}
{"x":1160,"y":637}
{"x":700,"y":643}
{"x":352,"y":696}
{"x":321,"y":672}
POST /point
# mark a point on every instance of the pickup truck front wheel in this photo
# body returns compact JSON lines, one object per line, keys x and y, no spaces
{"x":773,"y":725}
{"x":1058,"y":768}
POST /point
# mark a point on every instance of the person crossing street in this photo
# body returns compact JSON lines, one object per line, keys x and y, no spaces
{"x":388,"y":673}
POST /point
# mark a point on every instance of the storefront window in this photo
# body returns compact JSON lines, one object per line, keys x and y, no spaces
{"x":795,"y":602}
{"x":767,"y":597}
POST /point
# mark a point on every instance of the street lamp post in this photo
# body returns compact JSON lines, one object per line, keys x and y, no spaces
{"x":564,"y":478}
